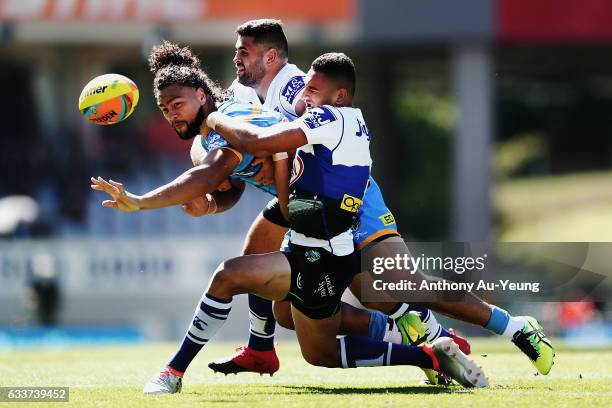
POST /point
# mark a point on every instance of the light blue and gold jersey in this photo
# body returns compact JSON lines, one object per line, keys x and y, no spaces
{"x":253,"y":114}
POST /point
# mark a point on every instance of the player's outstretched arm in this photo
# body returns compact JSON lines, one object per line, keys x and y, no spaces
{"x":196,"y":182}
{"x":255,"y":140}
{"x":216,"y":202}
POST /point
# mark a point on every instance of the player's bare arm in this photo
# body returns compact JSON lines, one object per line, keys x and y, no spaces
{"x":281,"y":179}
{"x":216,"y":202}
{"x":258,"y":141}
{"x":265,"y":175}
{"x":196,"y":182}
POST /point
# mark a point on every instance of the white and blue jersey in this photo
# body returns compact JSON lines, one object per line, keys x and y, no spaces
{"x":253,"y":114}
{"x":335,"y":164}
{"x":283,"y":95}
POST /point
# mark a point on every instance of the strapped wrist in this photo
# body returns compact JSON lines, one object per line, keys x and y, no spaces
{"x":280,"y":156}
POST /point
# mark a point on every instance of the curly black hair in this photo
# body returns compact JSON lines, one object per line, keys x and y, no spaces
{"x":172,"y":64}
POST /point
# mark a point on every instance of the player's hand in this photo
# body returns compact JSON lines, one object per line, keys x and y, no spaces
{"x":197,"y":207}
{"x":122,"y":200}
{"x":265,"y":175}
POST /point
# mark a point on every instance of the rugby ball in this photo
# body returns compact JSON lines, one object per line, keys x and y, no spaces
{"x":108,"y":99}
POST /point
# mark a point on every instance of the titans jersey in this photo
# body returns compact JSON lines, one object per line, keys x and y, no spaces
{"x":284,"y":92}
{"x":256,"y":115}
{"x":335,"y":164}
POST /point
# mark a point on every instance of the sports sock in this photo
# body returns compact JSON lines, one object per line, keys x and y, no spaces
{"x":434,"y":329}
{"x":377,"y":327}
{"x":503,"y":323}
{"x":208,"y":318}
{"x":261,"y":324}
{"x":514,"y":324}
{"x":398,"y":310}
{"x":357,"y":351}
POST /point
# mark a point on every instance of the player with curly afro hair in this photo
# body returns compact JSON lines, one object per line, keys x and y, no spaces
{"x":179,"y":85}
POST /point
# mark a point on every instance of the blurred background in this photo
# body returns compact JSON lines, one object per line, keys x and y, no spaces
{"x":491,"y":120}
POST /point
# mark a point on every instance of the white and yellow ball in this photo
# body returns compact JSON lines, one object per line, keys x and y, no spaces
{"x":108,"y":99}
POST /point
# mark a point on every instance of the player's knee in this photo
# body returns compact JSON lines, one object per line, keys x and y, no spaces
{"x":226,"y":279}
{"x":282,"y":314}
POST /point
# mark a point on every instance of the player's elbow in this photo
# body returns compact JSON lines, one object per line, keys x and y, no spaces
{"x":200,"y":179}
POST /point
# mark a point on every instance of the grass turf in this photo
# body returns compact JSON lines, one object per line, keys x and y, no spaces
{"x":113,"y":376}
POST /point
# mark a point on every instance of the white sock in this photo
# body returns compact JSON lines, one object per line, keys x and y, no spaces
{"x":434,"y":329}
{"x":514,"y":324}
{"x":392,"y":334}
{"x":209,"y":317}
{"x":399,"y":312}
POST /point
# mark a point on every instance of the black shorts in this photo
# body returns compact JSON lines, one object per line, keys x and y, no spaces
{"x":273,"y":213}
{"x":318,"y":279}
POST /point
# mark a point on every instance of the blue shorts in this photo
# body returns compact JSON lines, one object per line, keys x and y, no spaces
{"x":375,"y":219}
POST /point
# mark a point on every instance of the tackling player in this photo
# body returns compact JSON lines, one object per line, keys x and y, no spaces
{"x":320,"y":260}
{"x":265,"y":76}
{"x":184,"y":94}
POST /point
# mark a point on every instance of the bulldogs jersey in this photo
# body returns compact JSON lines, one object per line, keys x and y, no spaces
{"x":335,"y":164}
{"x":375,"y":218}
{"x":283,"y":94}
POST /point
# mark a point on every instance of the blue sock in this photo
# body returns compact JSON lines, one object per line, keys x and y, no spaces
{"x":377,"y":326}
{"x":357,"y":351}
{"x":208,"y":318}
{"x":261,"y":324}
{"x":498,"y":321}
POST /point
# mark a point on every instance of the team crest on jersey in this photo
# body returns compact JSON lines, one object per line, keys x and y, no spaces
{"x":292,"y":88}
{"x":297,"y":169}
{"x":312,"y":255}
{"x":318,"y":117}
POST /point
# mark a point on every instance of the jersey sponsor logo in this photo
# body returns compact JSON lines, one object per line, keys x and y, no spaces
{"x":297,"y":169}
{"x":362,"y":129}
{"x":292,"y":88}
{"x":318,"y":117}
{"x":387,"y":219}
{"x":326,"y":288}
{"x":350,"y":203}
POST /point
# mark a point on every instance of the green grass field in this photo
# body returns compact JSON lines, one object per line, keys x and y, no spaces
{"x":113,"y":376}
